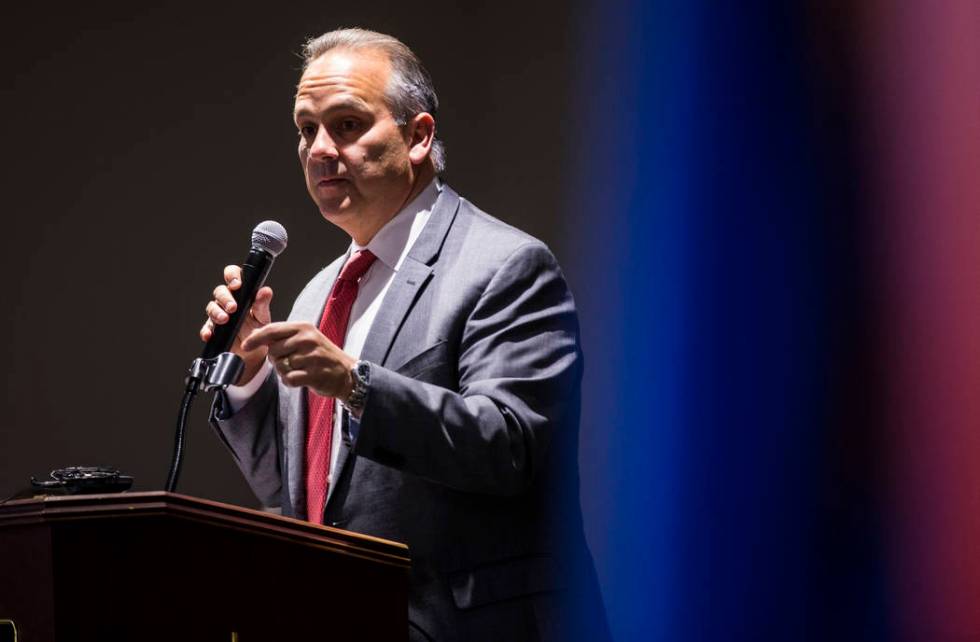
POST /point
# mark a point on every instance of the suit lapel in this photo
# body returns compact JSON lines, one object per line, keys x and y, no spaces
{"x":407,"y":283}
{"x":410,"y":278}
{"x":414,"y":273}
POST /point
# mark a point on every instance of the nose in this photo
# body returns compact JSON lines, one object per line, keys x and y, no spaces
{"x":323,"y":147}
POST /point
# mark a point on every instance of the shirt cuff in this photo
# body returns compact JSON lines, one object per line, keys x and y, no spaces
{"x":353,"y":426}
{"x":238,"y":396}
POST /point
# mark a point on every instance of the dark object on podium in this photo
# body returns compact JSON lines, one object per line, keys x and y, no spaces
{"x":76,"y":480}
{"x":160,"y":566}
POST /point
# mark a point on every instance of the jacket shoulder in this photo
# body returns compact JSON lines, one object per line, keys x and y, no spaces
{"x":476,"y":233}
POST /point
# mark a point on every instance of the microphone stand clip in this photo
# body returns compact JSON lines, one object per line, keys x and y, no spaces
{"x":219,"y":372}
{"x":208,"y":375}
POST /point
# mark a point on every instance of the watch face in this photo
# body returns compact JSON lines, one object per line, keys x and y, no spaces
{"x":363,"y":371}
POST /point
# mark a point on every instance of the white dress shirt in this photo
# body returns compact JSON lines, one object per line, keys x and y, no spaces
{"x":390,"y":245}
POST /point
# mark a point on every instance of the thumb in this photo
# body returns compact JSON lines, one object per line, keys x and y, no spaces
{"x":260,"y":307}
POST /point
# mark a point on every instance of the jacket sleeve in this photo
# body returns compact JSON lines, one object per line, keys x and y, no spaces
{"x":252,"y":436}
{"x":519,"y":367}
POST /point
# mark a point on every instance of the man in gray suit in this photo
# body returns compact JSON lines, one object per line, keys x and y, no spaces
{"x":444,"y":411}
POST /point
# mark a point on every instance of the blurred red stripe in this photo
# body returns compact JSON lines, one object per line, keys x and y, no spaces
{"x":922,"y":121}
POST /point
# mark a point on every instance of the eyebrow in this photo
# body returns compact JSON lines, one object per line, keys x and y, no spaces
{"x":345,"y":103}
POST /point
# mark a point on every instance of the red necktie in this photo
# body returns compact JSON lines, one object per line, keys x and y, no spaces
{"x":319,"y":426}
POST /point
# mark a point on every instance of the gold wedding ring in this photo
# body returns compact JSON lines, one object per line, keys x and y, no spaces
{"x":285,"y":364}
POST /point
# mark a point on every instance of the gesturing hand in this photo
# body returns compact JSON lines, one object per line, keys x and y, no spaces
{"x":304,"y":357}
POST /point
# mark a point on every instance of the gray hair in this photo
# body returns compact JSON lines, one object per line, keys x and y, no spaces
{"x":410,"y":90}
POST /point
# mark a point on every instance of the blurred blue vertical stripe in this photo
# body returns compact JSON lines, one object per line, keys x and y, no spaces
{"x":631,"y":279}
{"x":707,"y":277}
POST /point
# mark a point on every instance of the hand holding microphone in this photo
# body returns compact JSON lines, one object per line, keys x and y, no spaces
{"x":241,"y":305}
{"x":239,"y":321}
{"x":223,"y":305}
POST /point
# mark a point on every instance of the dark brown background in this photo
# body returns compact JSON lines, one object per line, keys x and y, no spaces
{"x":142,"y":146}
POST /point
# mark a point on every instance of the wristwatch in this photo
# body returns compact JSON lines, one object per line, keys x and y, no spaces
{"x":361,"y":375}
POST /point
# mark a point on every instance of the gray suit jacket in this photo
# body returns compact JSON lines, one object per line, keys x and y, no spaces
{"x":466,"y":448}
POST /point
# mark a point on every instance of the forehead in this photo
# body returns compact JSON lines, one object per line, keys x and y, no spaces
{"x":344,"y":76}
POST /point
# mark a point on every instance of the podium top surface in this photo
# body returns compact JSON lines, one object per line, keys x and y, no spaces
{"x":58,"y":508}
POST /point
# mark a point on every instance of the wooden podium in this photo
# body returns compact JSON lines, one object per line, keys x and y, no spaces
{"x":160,"y":566}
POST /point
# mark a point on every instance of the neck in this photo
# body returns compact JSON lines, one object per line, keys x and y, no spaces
{"x":419,"y":181}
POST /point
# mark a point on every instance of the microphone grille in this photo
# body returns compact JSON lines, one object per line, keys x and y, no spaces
{"x":270,"y":236}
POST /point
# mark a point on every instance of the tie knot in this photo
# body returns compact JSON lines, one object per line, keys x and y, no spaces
{"x":357,"y":265}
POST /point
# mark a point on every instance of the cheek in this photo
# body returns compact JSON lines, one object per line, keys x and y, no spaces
{"x":386,"y":156}
{"x":383,"y":147}
{"x":303,"y":152}
{"x":367,"y":161}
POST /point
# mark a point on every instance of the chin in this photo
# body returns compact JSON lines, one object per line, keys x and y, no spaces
{"x":333,"y":207}
{"x":337,"y":215}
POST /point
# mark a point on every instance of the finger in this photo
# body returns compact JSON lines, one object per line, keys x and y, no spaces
{"x":207,"y":330}
{"x":264,"y":295}
{"x":233,"y":276}
{"x":216,"y":314}
{"x":304,"y":342}
{"x":289,"y":363}
{"x":260,"y":307}
{"x":269,"y":334}
{"x":280,"y":366}
{"x":276,"y":351}
{"x":225,"y":298}
{"x":294,"y":378}
{"x":285,"y":365}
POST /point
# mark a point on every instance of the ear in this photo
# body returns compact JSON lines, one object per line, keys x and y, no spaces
{"x":421,"y":133}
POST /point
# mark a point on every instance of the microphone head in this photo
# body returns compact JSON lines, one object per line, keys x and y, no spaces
{"x":269,"y":236}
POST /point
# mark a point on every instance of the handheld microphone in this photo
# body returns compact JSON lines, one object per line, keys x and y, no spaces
{"x":217,"y":367}
{"x":268,"y":241}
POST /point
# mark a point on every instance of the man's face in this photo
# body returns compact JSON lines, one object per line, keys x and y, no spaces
{"x":354,"y":155}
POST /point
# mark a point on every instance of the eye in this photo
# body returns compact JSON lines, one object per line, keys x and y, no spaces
{"x":348,"y":126}
{"x":307,"y":131}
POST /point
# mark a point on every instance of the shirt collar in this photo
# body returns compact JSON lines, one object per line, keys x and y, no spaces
{"x":393,"y":241}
